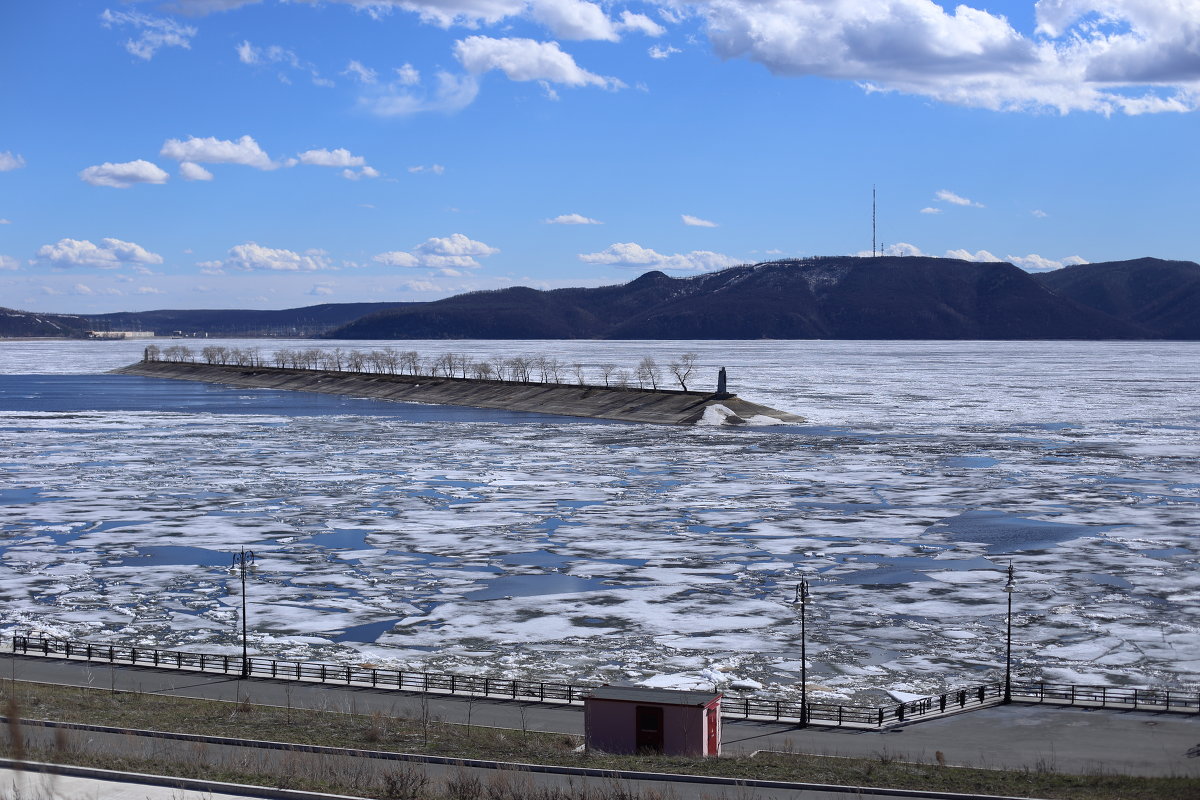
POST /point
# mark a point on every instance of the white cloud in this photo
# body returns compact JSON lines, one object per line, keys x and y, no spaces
{"x":9,"y":263}
{"x":10,"y":161}
{"x":641,"y":24}
{"x":573,"y":219}
{"x":696,"y":222}
{"x":897,"y":249}
{"x":211,"y":150}
{"x":630,"y":254}
{"x":341,"y":157}
{"x":154,"y":33}
{"x":322,"y":289}
{"x":397,"y":258}
{"x":1035,"y":263}
{"x":661,"y":51}
{"x":1105,"y":56}
{"x":274,"y":55}
{"x":252,"y":256}
{"x":436,"y":169}
{"x":574,"y":19}
{"x":526,"y":60}
{"x":122,"y":176}
{"x":193,"y":172}
{"x":445,"y":253}
{"x":109,"y":254}
{"x":365,"y":172}
{"x":947,"y":196}
{"x":967,"y":255}
{"x":931,"y":210}
{"x":148,"y":290}
{"x":452,"y":93}
{"x":362,"y":73}
{"x":1037,"y":212}
{"x":407,"y":75}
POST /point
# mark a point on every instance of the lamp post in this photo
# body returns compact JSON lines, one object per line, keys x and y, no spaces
{"x":1009,"y":588}
{"x":243,"y":561}
{"x":802,"y":601}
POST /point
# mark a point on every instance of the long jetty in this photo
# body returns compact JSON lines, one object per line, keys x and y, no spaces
{"x":625,"y":404}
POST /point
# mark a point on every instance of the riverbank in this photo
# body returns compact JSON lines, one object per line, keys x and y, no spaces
{"x":624,"y":404}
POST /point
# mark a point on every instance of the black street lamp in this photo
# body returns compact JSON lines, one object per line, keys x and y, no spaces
{"x":242,"y":562}
{"x":801,"y":600}
{"x":1009,"y":587}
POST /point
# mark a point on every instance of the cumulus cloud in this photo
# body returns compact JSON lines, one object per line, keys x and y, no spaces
{"x":1035,"y":263}
{"x":341,"y":157}
{"x":211,"y":150}
{"x":526,"y":60}
{"x":947,"y":196}
{"x":630,"y":254}
{"x":152,"y":33}
{"x":365,"y":172}
{"x":1105,"y":56}
{"x":122,"y":176}
{"x":252,"y":257}
{"x":696,"y":222}
{"x":897,"y":249}
{"x":640,"y":23}
{"x":109,"y":254}
{"x":322,"y":289}
{"x":9,"y":263}
{"x":967,"y":255}
{"x":193,"y":172}
{"x":444,"y":253}
{"x":436,"y":169}
{"x":148,"y":290}
{"x":10,"y":161}
{"x":574,"y":19}
{"x":573,"y":219}
{"x":660,"y":51}
{"x":1037,"y":212}
{"x":931,"y":210}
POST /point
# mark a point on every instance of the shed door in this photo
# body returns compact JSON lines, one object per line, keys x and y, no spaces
{"x":650,"y":729}
{"x":713,"y":744}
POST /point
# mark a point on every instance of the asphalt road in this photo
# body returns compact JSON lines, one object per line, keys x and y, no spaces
{"x":1018,"y":736}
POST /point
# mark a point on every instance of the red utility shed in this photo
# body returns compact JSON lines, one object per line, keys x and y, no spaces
{"x":634,"y":719}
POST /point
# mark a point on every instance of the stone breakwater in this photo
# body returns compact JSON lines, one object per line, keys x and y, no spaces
{"x":664,"y":407}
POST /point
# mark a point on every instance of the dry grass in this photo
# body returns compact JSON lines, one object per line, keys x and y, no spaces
{"x":377,"y":731}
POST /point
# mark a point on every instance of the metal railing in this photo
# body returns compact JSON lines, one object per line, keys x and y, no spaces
{"x":567,"y":693}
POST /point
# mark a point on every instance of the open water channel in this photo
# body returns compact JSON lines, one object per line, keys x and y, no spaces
{"x":511,"y":544}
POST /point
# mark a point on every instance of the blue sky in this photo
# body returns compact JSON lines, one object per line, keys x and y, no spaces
{"x":271,"y":154}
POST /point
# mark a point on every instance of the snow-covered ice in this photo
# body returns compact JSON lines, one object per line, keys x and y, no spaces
{"x":511,"y":545}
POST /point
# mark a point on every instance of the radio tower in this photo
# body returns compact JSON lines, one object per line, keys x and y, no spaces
{"x":872,"y":220}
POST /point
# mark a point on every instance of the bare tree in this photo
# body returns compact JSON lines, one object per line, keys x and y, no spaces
{"x":648,"y":372}
{"x":577,"y":371}
{"x":621,"y":378}
{"x":151,"y":353}
{"x":542,"y":364}
{"x":355,"y":360}
{"x":607,"y":371}
{"x":683,"y":368}
{"x":482,"y":370}
{"x":500,"y":367}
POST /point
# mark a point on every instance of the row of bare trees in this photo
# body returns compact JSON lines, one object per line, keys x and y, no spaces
{"x":648,"y":374}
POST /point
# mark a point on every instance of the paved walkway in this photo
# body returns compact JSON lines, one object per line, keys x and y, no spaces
{"x":1018,"y":736}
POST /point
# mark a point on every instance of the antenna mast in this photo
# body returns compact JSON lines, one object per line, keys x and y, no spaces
{"x":872,"y":220}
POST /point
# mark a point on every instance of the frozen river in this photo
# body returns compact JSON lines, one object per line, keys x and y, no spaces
{"x":515,"y":544}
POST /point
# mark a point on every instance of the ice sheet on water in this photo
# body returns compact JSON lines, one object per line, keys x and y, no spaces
{"x":697,"y":536}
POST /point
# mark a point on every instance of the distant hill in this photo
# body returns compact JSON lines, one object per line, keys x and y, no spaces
{"x":820,"y":298}
{"x":15,"y":323}
{"x":306,"y":321}
{"x":1161,"y":296}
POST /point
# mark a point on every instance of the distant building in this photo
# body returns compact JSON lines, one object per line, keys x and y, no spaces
{"x":120,"y":334}
{"x":635,"y":719}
